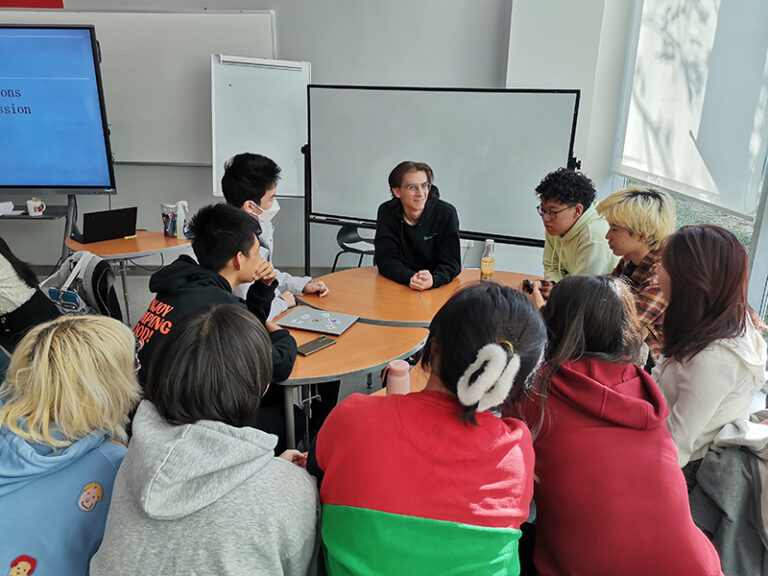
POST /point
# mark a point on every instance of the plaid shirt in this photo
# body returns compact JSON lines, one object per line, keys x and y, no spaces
{"x":649,"y":300}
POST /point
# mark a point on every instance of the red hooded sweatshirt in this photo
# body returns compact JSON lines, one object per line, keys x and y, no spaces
{"x":611,"y":498}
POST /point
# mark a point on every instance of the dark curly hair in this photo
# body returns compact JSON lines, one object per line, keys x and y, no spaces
{"x":567,"y":187}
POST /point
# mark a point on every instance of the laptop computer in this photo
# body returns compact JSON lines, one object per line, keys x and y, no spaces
{"x":323,"y":321}
{"x":107,"y":225}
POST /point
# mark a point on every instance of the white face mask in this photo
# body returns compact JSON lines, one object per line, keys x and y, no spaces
{"x":267,"y":215}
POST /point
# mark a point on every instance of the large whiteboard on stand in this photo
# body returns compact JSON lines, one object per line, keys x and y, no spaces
{"x":488,"y":148}
{"x":260,"y":106}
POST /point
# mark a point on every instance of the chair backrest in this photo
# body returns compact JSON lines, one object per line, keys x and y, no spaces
{"x":348,"y":234}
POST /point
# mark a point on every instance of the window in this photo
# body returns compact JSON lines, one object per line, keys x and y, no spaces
{"x":695,"y":116}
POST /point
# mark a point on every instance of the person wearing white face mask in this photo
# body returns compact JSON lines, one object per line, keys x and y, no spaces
{"x":250,"y":183}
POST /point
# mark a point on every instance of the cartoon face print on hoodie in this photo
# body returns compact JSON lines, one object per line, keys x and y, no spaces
{"x":92,"y":495}
{"x":23,"y":566}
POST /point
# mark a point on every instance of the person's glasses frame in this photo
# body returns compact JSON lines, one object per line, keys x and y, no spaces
{"x":414,"y":188}
{"x":551,"y":214}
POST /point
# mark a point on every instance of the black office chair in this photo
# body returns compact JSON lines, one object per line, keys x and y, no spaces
{"x":351,"y":242}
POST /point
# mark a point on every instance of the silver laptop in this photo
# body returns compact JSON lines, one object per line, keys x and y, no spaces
{"x":323,"y":321}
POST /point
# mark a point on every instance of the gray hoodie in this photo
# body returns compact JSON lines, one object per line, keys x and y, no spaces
{"x":207,"y":498}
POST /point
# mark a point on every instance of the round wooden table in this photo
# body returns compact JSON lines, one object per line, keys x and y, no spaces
{"x":365,"y":293}
{"x":392,"y":325}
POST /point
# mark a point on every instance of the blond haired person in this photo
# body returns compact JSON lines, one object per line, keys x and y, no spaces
{"x":639,"y":218}
{"x":63,"y":406}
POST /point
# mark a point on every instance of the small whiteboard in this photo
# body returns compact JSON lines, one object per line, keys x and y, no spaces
{"x":260,"y":106}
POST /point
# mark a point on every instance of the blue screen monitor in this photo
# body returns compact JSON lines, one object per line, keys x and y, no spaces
{"x":53,"y":124}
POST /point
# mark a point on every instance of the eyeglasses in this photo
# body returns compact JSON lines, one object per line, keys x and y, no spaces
{"x":414,"y":188}
{"x":550,"y":214}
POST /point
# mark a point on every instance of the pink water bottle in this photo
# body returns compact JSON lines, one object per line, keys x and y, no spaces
{"x":398,"y":377}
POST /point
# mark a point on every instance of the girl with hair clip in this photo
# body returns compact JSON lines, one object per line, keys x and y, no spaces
{"x":63,"y":408}
{"x":712,"y":368}
{"x":401,"y":473}
{"x":610,"y":498}
{"x":22,"y":303}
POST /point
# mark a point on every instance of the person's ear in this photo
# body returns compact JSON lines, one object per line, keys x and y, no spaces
{"x":396,"y":192}
{"x":578,"y":210}
{"x":237,"y":261}
{"x":249,"y":206}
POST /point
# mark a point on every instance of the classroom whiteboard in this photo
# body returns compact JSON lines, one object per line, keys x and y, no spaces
{"x":488,"y":148}
{"x":156,"y":74}
{"x":260,"y":106}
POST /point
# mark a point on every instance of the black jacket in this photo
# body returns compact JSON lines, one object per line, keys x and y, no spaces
{"x":185,"y":286}
{"x":432,"y":244}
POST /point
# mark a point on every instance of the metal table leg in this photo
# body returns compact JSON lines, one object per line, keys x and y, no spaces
{"x":124,"y":279}
{"x":290,"y":425}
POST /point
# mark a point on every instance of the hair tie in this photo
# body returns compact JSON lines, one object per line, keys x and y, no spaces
{"x":487,"y":381}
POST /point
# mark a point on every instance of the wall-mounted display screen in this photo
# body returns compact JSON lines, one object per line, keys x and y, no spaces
{"x":53,"y":128}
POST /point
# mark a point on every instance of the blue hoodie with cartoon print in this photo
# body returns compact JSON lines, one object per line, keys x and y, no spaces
{"x":54,"y":503}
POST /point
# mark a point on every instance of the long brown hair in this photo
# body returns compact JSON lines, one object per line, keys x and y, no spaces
{"x":708,"y":270}
{"x":588,"y":316}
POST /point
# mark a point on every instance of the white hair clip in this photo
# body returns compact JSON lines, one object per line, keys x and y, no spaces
{"x":490,"y":387}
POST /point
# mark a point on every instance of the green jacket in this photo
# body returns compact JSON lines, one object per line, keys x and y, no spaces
{"x":583,"y":249}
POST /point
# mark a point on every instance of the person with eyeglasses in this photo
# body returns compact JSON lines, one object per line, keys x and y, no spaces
{"x":575,"y":240}
{"x":417,"y":233}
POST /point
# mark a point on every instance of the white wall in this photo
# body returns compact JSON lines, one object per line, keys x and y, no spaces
{"x":464,"y":43}
{"x":566,"y":44}
{"x":398,"y":42}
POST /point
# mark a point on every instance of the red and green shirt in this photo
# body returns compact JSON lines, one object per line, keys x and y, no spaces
{"x":410,"y":488}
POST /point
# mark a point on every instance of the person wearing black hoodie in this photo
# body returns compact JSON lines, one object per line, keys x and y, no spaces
{"x":417,"y":233}
{"x":227,"y":250}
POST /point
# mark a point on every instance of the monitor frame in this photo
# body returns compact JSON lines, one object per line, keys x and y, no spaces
{"x":109,"y":189}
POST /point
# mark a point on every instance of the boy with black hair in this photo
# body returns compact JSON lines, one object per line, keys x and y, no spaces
{"x":250,"y":183}
{"x":227,"y":250}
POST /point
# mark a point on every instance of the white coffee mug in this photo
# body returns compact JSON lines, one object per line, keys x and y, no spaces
{"x":35,"y":207}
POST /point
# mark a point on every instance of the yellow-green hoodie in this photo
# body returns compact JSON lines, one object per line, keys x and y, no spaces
{"x":582,"y":250}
